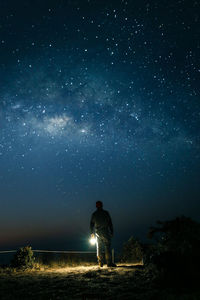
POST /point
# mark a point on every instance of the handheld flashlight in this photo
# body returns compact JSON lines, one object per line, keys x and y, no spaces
{"x":93,"y":240}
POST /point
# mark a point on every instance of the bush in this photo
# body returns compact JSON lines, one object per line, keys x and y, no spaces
{"x":176,"y":253}
{"x":132,"y":251}
{"x":23,"y":258}
{"x":181,"y":235}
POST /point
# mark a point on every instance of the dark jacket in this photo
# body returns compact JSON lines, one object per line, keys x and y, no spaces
{"x":101,"y":223}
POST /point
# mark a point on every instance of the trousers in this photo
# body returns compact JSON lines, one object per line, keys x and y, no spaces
{"x":104,"y":243}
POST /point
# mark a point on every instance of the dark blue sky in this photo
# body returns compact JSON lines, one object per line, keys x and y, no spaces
{"x":99,"y":100}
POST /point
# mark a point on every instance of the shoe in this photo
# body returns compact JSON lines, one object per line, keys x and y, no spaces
{"x":101,"y":264}
{"x":111,"y":265}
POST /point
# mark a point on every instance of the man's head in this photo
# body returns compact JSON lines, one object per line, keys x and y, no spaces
{"x":99,"y":204}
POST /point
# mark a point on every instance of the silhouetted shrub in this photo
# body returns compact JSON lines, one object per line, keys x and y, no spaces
{"x":23,"y":259}
{"x":181,"y":235}
{"x":132,"y":251}
{"x":176,"y":253}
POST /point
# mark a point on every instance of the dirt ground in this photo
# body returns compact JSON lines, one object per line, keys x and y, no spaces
{"x":84,"y":282}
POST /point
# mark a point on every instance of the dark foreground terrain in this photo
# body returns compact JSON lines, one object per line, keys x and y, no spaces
{"x":88,"y":282}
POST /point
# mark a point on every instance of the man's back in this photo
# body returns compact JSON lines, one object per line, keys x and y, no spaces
{"x":101,"y":222}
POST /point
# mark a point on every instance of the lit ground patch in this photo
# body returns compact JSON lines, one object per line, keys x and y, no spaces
{"x":82,"y":282}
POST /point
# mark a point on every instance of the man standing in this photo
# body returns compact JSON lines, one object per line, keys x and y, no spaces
{"x":101,"y":227}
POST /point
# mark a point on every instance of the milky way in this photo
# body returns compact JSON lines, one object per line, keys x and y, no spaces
{"x":99,"y":100}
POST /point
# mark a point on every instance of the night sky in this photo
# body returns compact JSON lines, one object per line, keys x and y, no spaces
{"x":99,"y":100}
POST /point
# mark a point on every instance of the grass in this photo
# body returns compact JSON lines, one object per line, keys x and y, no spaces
{"x":127,"y":281}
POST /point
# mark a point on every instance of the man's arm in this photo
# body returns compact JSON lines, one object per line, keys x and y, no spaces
{"x":92,"y":225}
{"x":110,"y":224}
